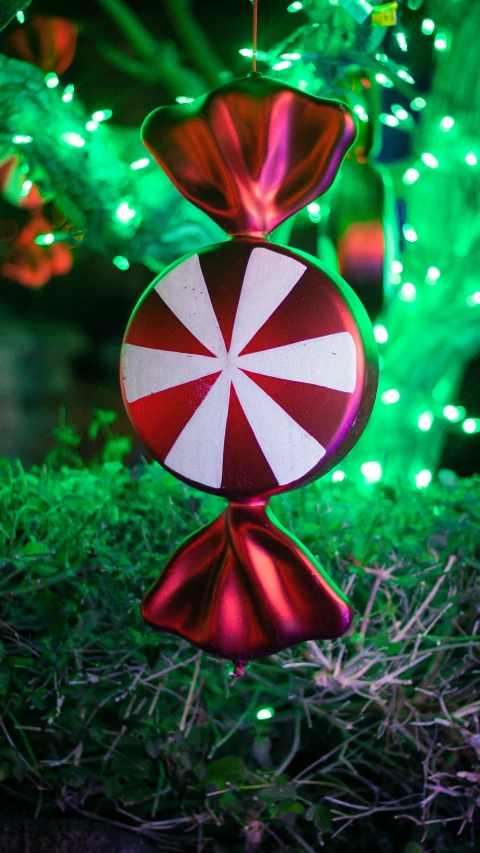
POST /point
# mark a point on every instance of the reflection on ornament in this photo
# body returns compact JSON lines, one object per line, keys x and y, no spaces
{"x":247,"y":368}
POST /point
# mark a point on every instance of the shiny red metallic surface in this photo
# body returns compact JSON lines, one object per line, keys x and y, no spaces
{"x":242,"y":588}
{"x":252,"y":152}
{"x":46,"y":41}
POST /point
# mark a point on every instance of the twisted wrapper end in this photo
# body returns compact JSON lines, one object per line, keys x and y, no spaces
{"x":242,"y":588}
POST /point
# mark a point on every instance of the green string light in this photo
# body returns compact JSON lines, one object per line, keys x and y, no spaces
{"x":423,"y":478}
{"x":410,"y":176}
{"x":384,"y":80}
{"x":389,"y":120}
{"x":72,"y":138}
{"x":338,"y":476}
{"x":124,"y":213}
{"x":433,"y":274}
{"x":282,"y":65}
{"x":68,"y":93}
{"x":102,"y":115}
{"x":425,"y":421}
{"x":296,"y":6}
{"x":91,"y":125}
{"x":22,"y":140}
{"x":405,"y":75}
{"x":471,"y":425}
{"x":51,"y":80}
{"x":471,"y":159}
{"x":20,"y":17}
{"x":140,"y":164}
{"x":441,"y":42}
{"x":410,"y":234}
{"x":428,"y":26}
{"x":372,"y":471}
{"x":390,"y":397}
{"x":265,"y":714}
{"x":447,"y":123}
{"x":380,"y":334}
{"x":454,"y":413}
{"x":45,"y":239}
{"x":430,"y":160}
{"x":418,"y":104}
{"x":396,"y":267}
{"x":121,"y":262}
{"x":408,"y":292}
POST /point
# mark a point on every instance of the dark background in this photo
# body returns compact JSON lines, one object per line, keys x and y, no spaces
{"x":61,"y":343}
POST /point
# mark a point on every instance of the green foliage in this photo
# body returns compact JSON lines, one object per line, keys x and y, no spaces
{"x":373,"y":742}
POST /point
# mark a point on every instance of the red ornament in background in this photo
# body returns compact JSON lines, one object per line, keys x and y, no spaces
{"x":45,"y":41}
{"x":33,"y":265}
{"x":247,"y":368}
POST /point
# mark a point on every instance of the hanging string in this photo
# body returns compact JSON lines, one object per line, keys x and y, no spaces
{"x":255,"y":30}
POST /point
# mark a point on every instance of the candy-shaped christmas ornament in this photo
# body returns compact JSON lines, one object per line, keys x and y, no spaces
{"x":247,"y":368}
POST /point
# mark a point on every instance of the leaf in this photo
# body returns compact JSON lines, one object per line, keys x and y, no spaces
{"x":224,"y":771}
{"x":35,"y":549}
{"x":290,"y":807}
{"x":321,"y":816}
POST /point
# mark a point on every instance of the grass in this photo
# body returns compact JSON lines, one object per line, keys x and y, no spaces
{"x":373,"y":742}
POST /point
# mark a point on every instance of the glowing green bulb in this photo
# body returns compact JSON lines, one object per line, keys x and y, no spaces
{"x":101,"y":115}
{"x":384,"y":80}
{"x":296,"y":6}
{"x":73,"y":139}
{"x":124,"y":213}
{"x":389,"y":397}
{"x":418,"y":104}
{"x":400,"y":112}
{"x":428,"y":26}
{"x":338,"y":476}
{"x":314,"y":211}
{"x":430,"y":160}
{"x":440,"y":42}
{"x":265,"y":714}
{"x":68,"y":93}
{"x":390,"y":121}
{"x":22,"y":140}
{"x":121,"y":262}
{"x":21,"y":17}
{"x":303,"y":84}
{"x":395,"y":278}
{"x":182,"y":99}
{"x":410,"y":234}
{"x":45,"y":240}
{"x":140,"y":164}
{"x":282,"y":65}
{"x":471,"y":159}
{"x":91,"y":125}
{"x":423,"y":478}
{"x":433,"y":274}
{"x":471,"y":425}
{"x":26,"y":187}
{"x":402,"y":41}
{"x":408,"y":293}
{"x":476,"y":297}
{"x":372,"y":471}
{"x":410,"y":176}
{"x":447,"y":123}
{"x":244,"y":51}
{"x":453,"y":413}
{"x":425,"y":421}
{"x":381,"y":335}
{"x":291,"y":56}
{"x":404,"y":75}
{"x":396,"y":267}
{"x":51,"y":80}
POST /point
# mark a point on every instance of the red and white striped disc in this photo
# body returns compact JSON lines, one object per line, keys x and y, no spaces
{"x":248,"y":369}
